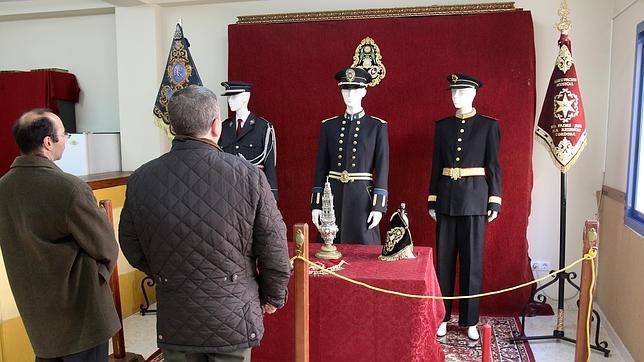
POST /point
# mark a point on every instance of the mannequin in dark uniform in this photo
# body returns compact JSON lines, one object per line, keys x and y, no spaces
{"x":247,"y":135}
{"x":354,"y":155}
{"x":464,"y":195}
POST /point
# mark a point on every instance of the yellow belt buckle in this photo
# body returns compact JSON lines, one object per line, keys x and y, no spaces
{"x":344,"y":177}
{"x":455,"y":174}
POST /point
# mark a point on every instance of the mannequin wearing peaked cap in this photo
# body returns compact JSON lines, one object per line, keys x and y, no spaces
{"x":354,"y":154}
{"x":464,"y":195}
{"x":248,"y":135}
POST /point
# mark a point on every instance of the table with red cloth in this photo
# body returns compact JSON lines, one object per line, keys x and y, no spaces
{"x":351,"y":323}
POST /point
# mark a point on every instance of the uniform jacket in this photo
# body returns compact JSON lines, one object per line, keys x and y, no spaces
{"x":205,"y":225}
{"x":59,"y":251}
{"x":256,"y":143}
{"x":471,"y":140}
{"x":357,"y":144}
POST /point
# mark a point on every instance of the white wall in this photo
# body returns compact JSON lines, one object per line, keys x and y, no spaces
{"x":84,"y":45}
{"x":627,"y":16}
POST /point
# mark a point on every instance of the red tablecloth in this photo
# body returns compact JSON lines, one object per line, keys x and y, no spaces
{"x":352,"y":323}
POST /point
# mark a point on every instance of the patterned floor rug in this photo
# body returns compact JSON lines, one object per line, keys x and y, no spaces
{"x":458,"y":347}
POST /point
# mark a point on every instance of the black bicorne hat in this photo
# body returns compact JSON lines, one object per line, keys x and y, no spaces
{"x":399,"y":244}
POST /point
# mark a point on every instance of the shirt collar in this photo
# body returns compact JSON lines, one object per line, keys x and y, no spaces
{"x":466,"y":115}
{"x":353,"y":117}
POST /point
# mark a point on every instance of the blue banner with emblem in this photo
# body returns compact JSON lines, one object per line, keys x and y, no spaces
{"x":180,"y":71}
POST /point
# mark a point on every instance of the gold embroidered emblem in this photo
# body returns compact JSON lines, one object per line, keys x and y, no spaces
{"x":564,"y":59}
{"x":454,"y":78}
{"x":350,"y":74}
{"x":367,"y":56}
{"x":393,"y":237}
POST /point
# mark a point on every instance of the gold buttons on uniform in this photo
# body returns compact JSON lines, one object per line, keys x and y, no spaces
{"x":459,"y":140}
{"x":353,"y":165}
{"x":358,"y":123}
{"x":342,"y":129}
{"x":355,"y":142}
{"x":354,"y":150}
{"x":458,"y":159}
{"x":355,"y":135}
{"x":353,"y":157}
{"x":341,"y":134}
{"x":339,"y":164}
{"x":340,"y":149}
{"x":462,"y":130}
{"x":340,"y":156}
{"x":344,"y":122}
{"x":340,"y":141}
{"x":357,"y":129}
{"x":457,"y":148}
{"x":463,"y":121}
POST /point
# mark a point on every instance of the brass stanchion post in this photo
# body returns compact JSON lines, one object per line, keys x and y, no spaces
{"x":301,"y":276}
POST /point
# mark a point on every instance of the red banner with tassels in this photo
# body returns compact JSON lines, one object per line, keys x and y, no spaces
{"x":562,"y":124}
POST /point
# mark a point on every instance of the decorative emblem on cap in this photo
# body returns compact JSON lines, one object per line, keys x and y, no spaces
{"x":367,"y":56}
{"x":454,"y":78}
{"x":350,"y":75}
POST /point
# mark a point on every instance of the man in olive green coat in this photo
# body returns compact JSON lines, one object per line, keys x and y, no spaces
{"x":58,"y":247}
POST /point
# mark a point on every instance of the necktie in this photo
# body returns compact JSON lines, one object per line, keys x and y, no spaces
{"x":239,"y":126}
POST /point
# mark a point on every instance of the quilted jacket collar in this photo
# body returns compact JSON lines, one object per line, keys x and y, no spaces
{"x":187,"y":143}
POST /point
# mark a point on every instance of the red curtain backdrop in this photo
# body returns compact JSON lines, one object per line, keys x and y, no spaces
{"x":292,"y":67}
{"x":22,"y":91}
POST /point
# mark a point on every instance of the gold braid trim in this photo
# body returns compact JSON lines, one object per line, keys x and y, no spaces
{"x":377,"y":13}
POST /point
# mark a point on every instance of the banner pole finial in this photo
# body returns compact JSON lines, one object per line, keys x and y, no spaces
{"x":564,"y":23}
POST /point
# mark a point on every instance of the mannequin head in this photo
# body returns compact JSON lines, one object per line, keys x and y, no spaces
{"x":353,"y":98}
{"x":238,"y":101}
{"x":463,"y":98}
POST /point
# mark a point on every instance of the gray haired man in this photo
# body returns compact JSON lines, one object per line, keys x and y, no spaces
{"x":205,"y":224}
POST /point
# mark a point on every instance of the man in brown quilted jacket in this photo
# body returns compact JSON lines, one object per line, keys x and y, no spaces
{"x":205,"y":225}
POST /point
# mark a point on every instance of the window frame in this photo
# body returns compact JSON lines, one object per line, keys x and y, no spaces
{"x":632,"y":217}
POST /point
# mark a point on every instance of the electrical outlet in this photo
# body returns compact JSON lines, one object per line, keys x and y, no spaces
{"x":540,"y":265}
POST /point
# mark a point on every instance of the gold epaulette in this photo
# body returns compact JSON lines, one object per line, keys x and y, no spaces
{"x":380,"y":119}
{"x":328,"y":119}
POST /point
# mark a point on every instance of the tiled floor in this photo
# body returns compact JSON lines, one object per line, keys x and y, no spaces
{"x":140,"y":338}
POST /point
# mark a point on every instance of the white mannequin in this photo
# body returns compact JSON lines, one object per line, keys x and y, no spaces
{"x":238,"y":103}
{"x":353,"y":100}
{"x":463,"y":99}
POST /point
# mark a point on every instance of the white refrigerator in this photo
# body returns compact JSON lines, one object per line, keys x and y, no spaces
{"x":91,"y":153}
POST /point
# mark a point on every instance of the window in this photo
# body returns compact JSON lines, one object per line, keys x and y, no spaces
{"x":634,"y":213}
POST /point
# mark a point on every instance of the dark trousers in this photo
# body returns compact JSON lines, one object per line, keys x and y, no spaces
{"x":461,"y":236}
{"x":242,"y":355}
{"x":94,"y":354}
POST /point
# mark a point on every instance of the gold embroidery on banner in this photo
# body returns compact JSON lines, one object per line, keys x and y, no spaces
{"x":179,"y":54}
{"x":393,"y":237}
{"x":377,"y":13}
{"x":367,"y":56}
{"x":564,"y":59}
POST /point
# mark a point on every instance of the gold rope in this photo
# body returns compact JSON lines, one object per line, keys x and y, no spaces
{"x":589,"y":256}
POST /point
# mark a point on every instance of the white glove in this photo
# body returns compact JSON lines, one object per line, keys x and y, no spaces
{"x":374,"y":219}
{"x":315,"y":217}
{"x":432,"y":214}
{"x":491,"y":215}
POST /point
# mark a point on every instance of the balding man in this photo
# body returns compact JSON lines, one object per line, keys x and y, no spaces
{"x":58,"y":247}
